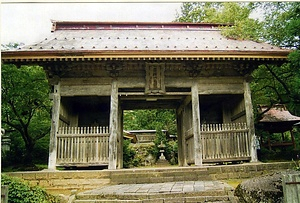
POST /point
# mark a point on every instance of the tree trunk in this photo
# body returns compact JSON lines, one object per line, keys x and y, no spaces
{"x":29,"y":145}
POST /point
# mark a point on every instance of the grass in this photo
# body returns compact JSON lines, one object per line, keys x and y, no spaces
{"x":234,"y":182}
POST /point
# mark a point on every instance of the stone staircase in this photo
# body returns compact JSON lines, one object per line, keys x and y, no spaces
{"x":66,"y":181}
{"x":159,"y":175}
{"x":171,"y":199}
{"x":188,"y":193}
{"x":160,"y":185}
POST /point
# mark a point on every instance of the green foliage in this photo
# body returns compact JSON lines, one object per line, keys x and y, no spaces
{"x":25,"y":110}
{"x":243,"y":29}
{"x":236,"y":15}
{"x":280,"y":84}
{"x":197,"y":12}
{"x":172,"y":152}
{"x":159,"y":119}
{"x":128,"y":155}
{"x":296,"y":165}
{"x":281,"y":23}
{"x":21,"y":192}
{"x":150,"y":119}
{"x":171,"y":147}
{"x":274,"y":85}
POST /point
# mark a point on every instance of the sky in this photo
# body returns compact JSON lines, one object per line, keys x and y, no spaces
{"x":31,"y":22}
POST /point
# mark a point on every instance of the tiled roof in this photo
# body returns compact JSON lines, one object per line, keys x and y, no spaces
{"x":102,"y":38}
{"x":278,"y":113}
{"x":277,"y":119}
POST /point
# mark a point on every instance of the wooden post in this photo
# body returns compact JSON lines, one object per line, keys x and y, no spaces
{"x":54,"y":127}
{"x":113,"y":126}
{"x":250,"y":121}
{"x":181,"y":139}
{"x":120,"y":138}
{"x":291,"y":188}
{"x":4,"y":193}
{"x":293,"y":138}
{"x":196,"y":124}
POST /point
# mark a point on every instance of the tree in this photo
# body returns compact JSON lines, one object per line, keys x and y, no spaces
{"x":150,"y":119}
{"x":234,"y":16}
{"x":280,"y":84}
{"x":25,"y":104}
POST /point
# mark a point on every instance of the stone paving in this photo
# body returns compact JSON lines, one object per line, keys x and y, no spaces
{"x":161,"y":188}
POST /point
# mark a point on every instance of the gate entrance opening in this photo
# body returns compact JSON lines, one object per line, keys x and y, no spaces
{"x":170,"y":101}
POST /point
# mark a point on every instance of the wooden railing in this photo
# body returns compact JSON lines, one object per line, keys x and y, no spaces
{"x":82,"y":146}
{"x":225,"y":142}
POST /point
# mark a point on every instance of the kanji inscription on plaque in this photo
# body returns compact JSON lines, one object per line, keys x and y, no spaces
{"x":155,"y":83}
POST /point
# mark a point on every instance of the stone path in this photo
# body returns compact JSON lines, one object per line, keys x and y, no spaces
{"x":161,"y":188}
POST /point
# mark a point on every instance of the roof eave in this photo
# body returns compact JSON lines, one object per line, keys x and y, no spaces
{"x":163,"y":53}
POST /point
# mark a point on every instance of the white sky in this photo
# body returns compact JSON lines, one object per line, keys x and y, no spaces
{"x":30,"y":22}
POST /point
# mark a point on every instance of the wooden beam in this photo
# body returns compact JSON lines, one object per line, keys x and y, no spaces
{"x":54,"y":127}
{"x":250,"y":121}
{"x":86,"y":90}
{"x":220,"y":88}
{"x":238,"y":115}
{"x":113,"y":126}
{"x":86,"y":81}
{"x":64,"y":119}
{"x":196,"y":125}
{"x":126,"y":82}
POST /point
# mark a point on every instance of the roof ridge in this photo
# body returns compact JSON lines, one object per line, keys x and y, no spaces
{"x":99,"y":25}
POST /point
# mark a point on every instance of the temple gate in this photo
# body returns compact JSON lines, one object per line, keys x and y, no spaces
{"x":99,"y":69}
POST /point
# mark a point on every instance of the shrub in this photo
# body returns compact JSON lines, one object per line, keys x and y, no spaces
{"x":296,"y":164}
{"x":128,"y":155}
{"x":172,"y":152}
{"x":20,"y":191}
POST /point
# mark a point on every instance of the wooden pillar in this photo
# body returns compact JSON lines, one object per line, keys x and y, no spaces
{"x":181,"y":111}
{"x":181,"y":140}
{"x":293,"y":138}
{"x":113,"y":126}
{"x":196,"y":124}
{"x":54,"y":126}
{"x":250,"y":121}
{"x":120,"y":139}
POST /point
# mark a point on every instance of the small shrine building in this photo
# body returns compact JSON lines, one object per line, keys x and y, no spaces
{"x":277,"y":119}
{"x":99,"y":69}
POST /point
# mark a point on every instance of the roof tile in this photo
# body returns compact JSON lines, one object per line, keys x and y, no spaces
{"x":158,"y":37}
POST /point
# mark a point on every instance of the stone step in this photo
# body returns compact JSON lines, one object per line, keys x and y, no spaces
{"x":194,"y":199}
{"x":159,"y":175}
{"x":182,"y":191}
{"x":150,"y":196}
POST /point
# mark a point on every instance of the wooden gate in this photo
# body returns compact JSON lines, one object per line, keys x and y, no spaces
{"x":78,"y":146}
{"x":220,"y":143}
{"x":225,"y":142}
